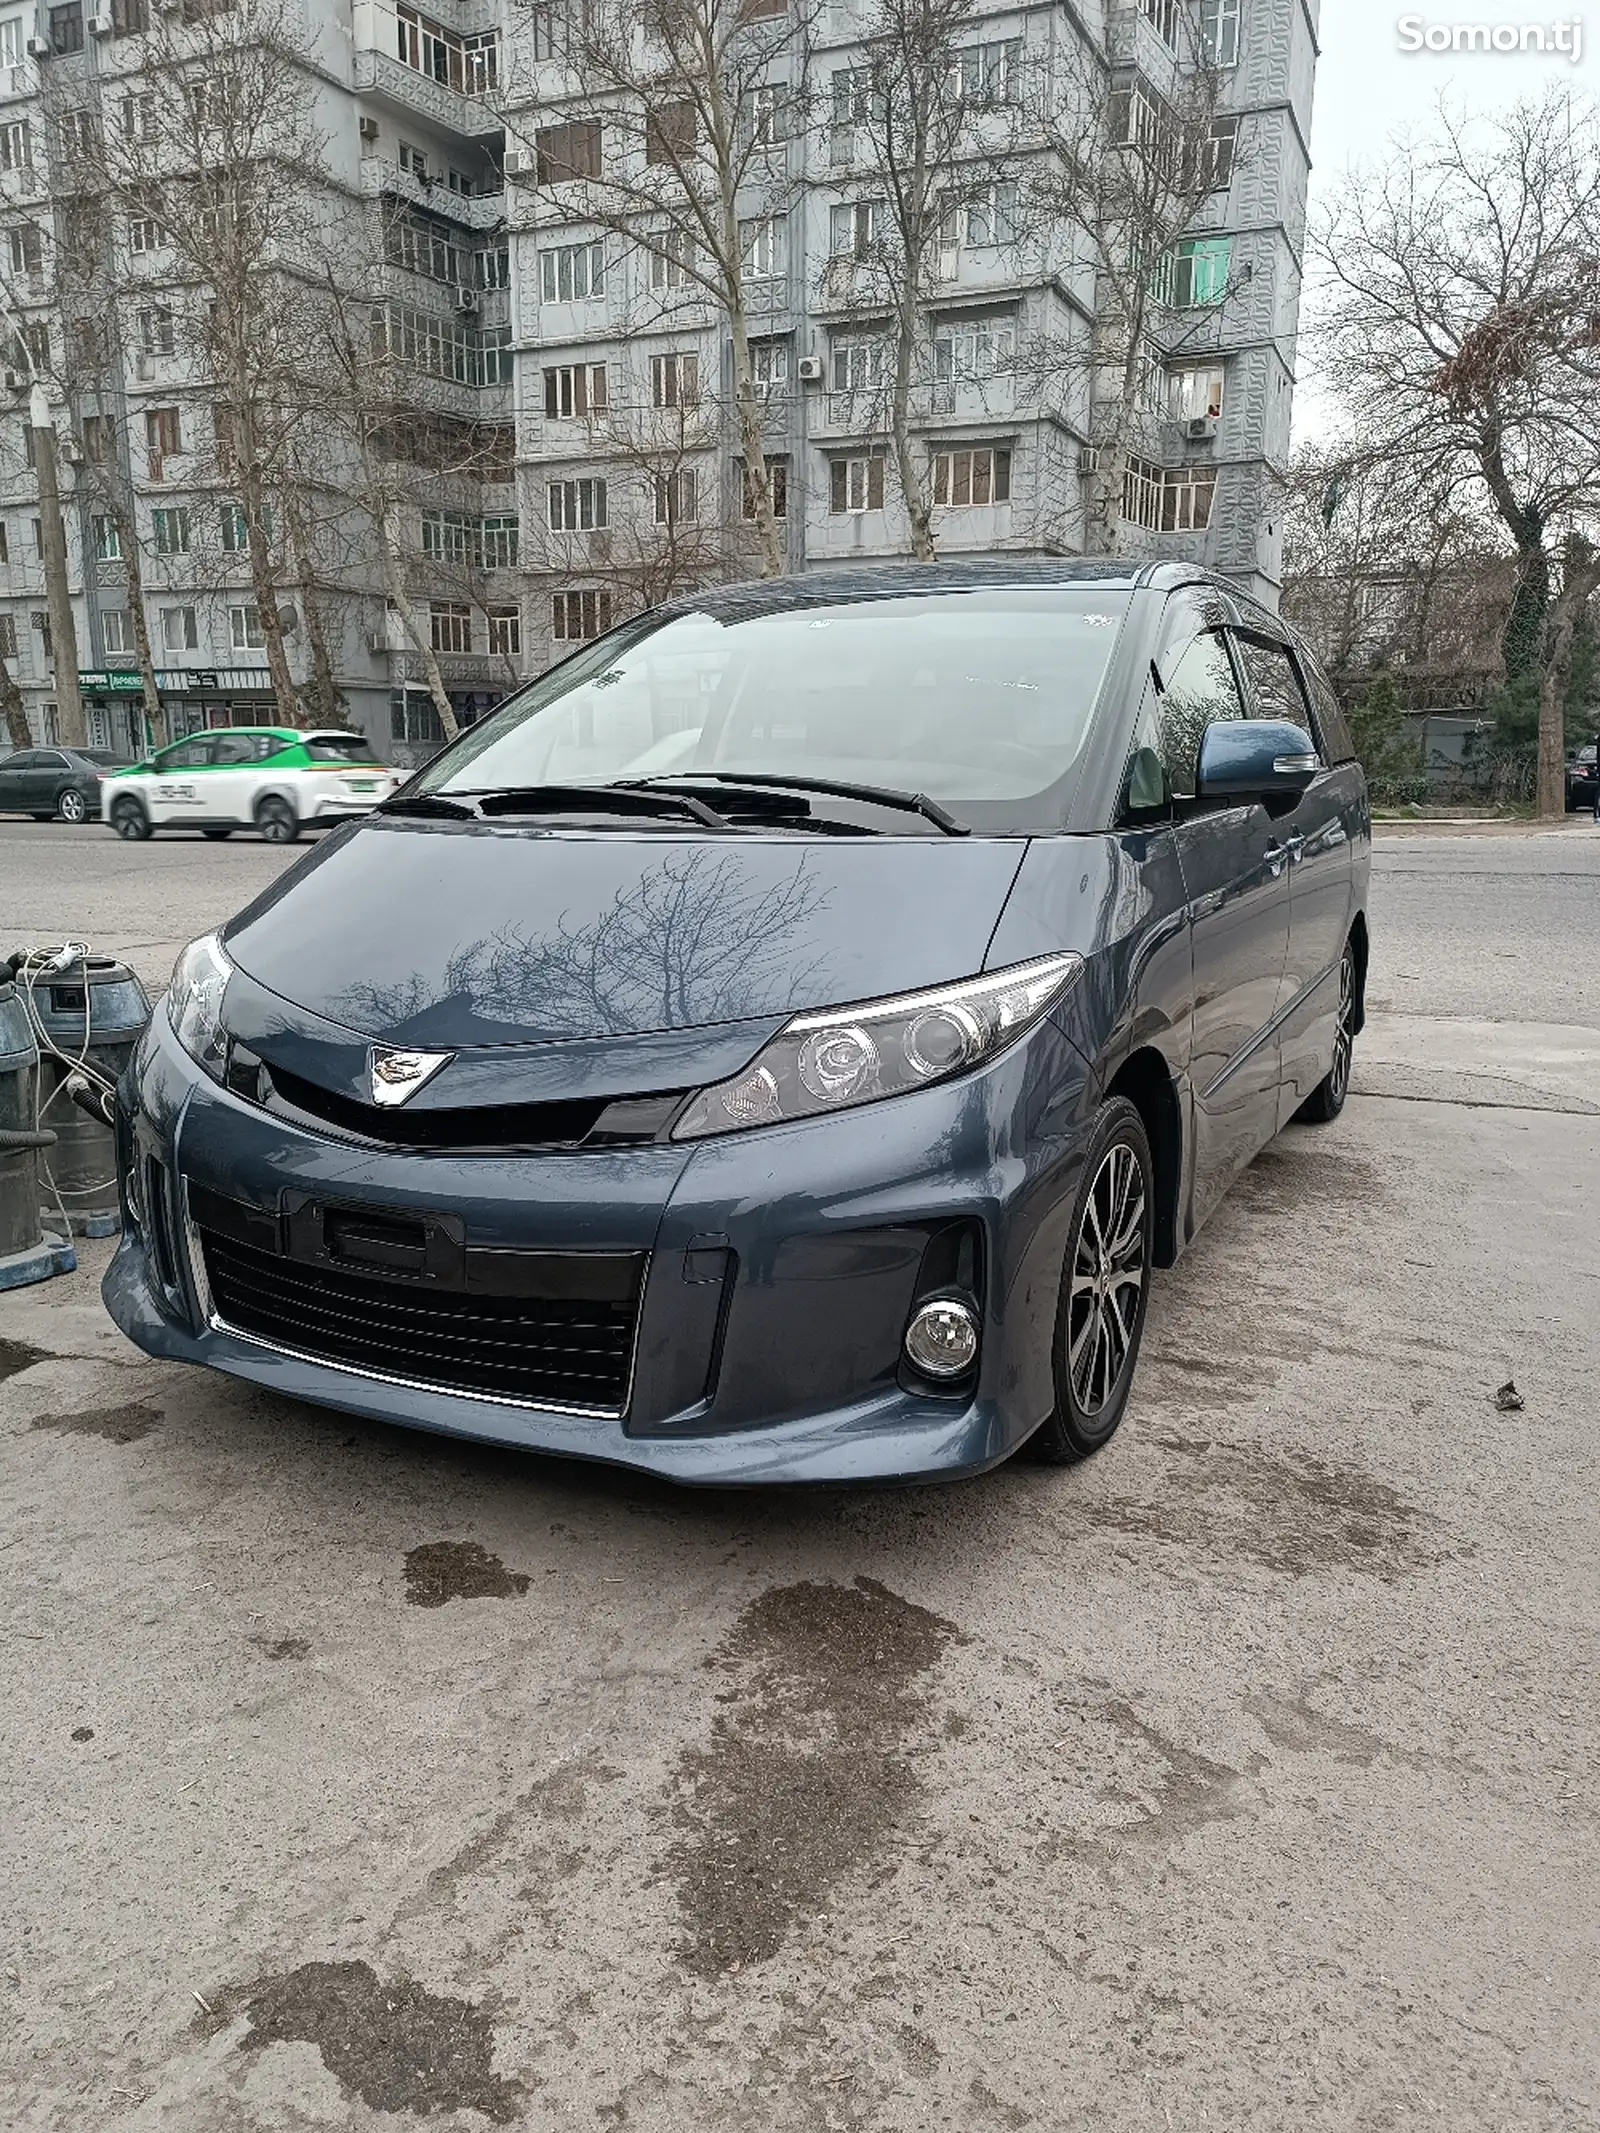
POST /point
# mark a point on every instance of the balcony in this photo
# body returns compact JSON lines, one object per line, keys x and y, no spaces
{"x":405,"y":91}
{"x":474,"y":211}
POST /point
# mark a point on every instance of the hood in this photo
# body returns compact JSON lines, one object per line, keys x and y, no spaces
{"x":435,"y":935}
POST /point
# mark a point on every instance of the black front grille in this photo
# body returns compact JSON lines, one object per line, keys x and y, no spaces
{"x":548,"y":1350}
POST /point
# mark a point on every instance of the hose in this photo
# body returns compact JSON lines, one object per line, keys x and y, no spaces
{"x":10,"y":1139}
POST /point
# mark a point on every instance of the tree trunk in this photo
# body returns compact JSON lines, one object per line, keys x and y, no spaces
{"x":262,"y":583}
{"x":11,"y":705}
{"x":753,"y":442}
{"x":325,"y":696}
{"x":150,"y":693}
{"x":913,"y":487}
{"x":1580,"y":575}
{"x":71,"y":729}
{"x":395,"y":585}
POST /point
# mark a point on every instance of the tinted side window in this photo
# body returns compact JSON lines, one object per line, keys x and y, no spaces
{"x":1274,"y":684}
{"x":1337,"y":746}
{"x":235,"y":748}
{"x":188,"y":755}
{"x":29,"y":759}
{"x":1200,"y":687}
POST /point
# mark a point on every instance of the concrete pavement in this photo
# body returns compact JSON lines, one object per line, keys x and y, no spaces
{"x":1240,"y":1778}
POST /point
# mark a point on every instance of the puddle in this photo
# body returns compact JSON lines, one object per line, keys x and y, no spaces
{"x":805,"y":1779}
{"x":395,"y":2046}
{"x":118,"y":1425}
{"x":459,"y":1570}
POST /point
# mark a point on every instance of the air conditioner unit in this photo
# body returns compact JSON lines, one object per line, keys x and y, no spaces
{"x":517,"y":163}
{"x":1088,"y":461}
{"x":466,"y":298}
{"x":1199,"y":427}
{"x":16,"y":381}
{"x":377,"y":644}
{"x":369,"y":129}
{"x":38,"y":48}
{"x":809,"y":370}
{"x":100,"y":25}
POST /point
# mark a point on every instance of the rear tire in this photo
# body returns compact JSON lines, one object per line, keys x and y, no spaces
{"x":1105,"y":1289}
{"x":71,"y":806}
{"x":277,"y":820}
{"x":129,"y":820}
{"x":1326,"y":1100}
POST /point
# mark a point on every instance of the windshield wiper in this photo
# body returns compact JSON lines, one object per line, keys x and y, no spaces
{"x":914,"y":803}
{"x":590,"y":800}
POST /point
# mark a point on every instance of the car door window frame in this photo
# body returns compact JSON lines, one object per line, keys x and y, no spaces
{"x":1206,"y":620}
{"x":1239,"y":637}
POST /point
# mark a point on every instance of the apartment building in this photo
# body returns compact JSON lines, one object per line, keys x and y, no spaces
{"x":556,"y":412}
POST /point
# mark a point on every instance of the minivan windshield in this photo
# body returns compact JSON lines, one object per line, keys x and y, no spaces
{"x":973,"y":698}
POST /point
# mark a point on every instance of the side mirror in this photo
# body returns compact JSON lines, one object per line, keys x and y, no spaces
{"x":1255,"y":759}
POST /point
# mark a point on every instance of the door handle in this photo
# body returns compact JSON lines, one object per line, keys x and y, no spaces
{"x":1275,"y":855}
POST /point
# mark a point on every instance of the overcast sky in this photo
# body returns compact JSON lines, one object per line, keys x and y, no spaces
{"x":1368,"y":89}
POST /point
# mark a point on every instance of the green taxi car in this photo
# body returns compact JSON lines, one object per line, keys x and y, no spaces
{"x":273,"y":779}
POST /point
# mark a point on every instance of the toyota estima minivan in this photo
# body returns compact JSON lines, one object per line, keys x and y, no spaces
{"x":779,"y":1043}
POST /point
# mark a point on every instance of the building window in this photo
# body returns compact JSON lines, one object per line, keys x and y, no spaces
{"x":162,"y":439}
{"x":674,"y":381}
{"x":972,"y":351}
{"x":495,"y":360}
{"x":16,"y":146}
{"x":991,"y":215}
{"x":244,"y":629}
{"x":1163,"y":17}
{"x":116,"y":627}
{"x":577,"y":506}
{"x":481,"y":60}
{"x":972,"y":474}
{"x":145,"y":234}
{"x":235,"y":533}
{"x":423,"y":245}
{"x":27,"y":249}
{"x":777,"y":483}
{"x":764,"y":115}
{"x":5,"y":544}
{"x":1219,"y":32}
{"x":1208,"y":162}
{"x":8,"y":636}
{"x":856,"y":484}
{"x":493,"y":267}
{"x":171,"y":528}
{"x":572,"y":273}
{"x":96,"y":430}
{"x":439,"y":347}
{"x":38,"y":537}
{"x":855,"y":227}
{"x":1141,"y":494}
{"x":155,"y":330}
{"x":769,"y":368}
{"x":498,"y":543}
{"x":764,"y":243}
{"x":669,"y":133}
{"x":672,"y":260}
{"x":856,"y":101}
{"x":574,"y":391}
{"x":446,"y":537}
{"x":412,"y":718}
{"x":859,"y":363}
{"x":66,"y":29}
{"x":1194,"y":390}
{"x":675,"y":498}
{"x":505,"y":632}
{"x":179,"y":631}
{"x":984,"y":75}
{"x":413,"y":161}
{"x":1186,"y":496}
{"x":11,"y":42}
{"x":568,"y":151}
{"x":1194,"y":273}
{"x":136,"y":116}
{"x":41,"y":622}
{"x":107,"y":539}
{"x":576,"y":616}
{"x":449,"y":626}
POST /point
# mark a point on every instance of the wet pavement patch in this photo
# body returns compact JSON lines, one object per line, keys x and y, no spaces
{"x":805,"y":1779}
{"x":459,"y":1570}
{"x":1285,"y":1511}
{"x":19,"y":1355}
{"x":282,"y":1647}
{"x":395,"y":2046}
{"x":118,"y":1425}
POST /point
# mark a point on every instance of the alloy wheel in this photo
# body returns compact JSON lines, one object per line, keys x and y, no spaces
{"x":70,"y":807}
{"x":1107,"y":1279}
{"x":1344,"y":1041}
{"x":275,"y":822}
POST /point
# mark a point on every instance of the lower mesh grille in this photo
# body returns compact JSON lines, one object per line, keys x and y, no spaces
{"x":536,"y":1350}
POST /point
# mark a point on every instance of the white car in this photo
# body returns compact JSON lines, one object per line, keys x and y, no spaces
{"x":274,"y":779}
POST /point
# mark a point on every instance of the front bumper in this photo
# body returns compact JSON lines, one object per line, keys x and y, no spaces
{"x":781,"y":1267}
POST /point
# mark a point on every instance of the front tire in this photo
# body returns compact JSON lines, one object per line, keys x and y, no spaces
{"x":1105,"y":1289}
{"x":71,"y":805}
{"x":129,"y":820}
{"x":277,"y":820}
{"x":1326,"y":1100}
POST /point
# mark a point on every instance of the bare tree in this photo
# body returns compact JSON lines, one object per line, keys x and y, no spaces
{"x":680,"y":131}
{"x":1462,"y":309}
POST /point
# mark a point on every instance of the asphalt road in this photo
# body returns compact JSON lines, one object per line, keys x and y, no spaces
{"x":1239,"y":1779}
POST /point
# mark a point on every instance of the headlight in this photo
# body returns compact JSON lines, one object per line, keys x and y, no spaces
{"x":855,"y":1055}
{"x":194,"y":1003}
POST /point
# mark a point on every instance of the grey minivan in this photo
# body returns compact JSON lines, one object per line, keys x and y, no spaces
{"x":778,"y":1043}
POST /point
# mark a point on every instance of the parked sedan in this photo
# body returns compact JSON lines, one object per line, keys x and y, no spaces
{"x":1583,"y":778}
{"x":780,"y":1042}
{"x":60,"y":782}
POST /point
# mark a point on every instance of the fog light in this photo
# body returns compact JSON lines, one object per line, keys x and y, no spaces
{"x":942,"y":1339}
